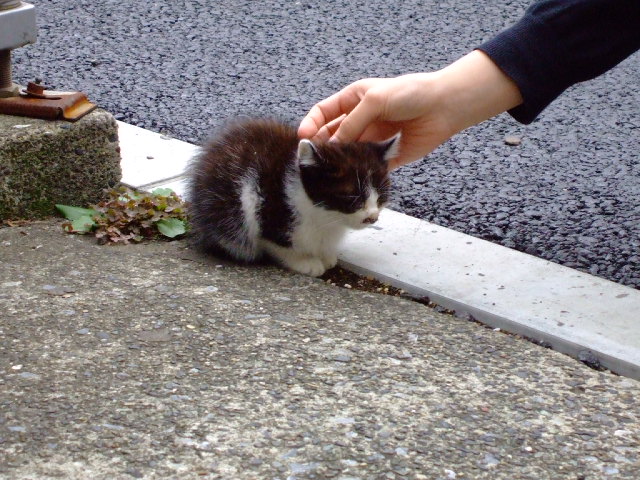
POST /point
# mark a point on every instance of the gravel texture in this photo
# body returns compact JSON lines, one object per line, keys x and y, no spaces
{"x":567,"y":191}
{"x":148,"y":361}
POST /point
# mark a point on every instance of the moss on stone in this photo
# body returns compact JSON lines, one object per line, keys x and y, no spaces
{"x":47,"y":162}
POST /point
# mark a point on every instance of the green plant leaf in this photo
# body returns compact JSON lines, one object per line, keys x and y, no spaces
{"x":162,"y":192}
{"x":127,"y":216}
{"x":171,"y":227}
{"x":73,"y":213}
{"x":82,"y":224}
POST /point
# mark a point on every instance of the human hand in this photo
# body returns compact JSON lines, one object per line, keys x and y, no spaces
{"x":425,"y":108}
{"x":376,"y":109}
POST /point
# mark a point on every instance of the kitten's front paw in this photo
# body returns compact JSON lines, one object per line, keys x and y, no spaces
{"x":329,"y":260}
{"x":308,"y":266}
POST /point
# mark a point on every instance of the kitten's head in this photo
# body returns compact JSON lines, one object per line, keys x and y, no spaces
{"x":350,"y":178}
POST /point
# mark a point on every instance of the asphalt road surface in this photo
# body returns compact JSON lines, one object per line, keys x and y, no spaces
{"x":569,"y":193}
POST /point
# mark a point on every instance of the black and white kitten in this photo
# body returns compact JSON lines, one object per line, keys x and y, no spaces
{"x":257,"y":189}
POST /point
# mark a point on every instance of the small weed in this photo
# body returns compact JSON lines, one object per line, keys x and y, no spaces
{"x":129,"y":216}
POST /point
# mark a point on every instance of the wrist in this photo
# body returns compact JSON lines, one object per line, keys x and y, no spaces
{"x":474,"y":89}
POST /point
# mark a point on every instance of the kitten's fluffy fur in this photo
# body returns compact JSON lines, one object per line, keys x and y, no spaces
{"x":257,"y":189}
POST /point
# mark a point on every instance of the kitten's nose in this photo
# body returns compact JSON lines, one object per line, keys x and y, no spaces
{"x":371,"y":219}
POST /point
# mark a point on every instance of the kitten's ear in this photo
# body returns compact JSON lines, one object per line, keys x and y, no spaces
{"x":390,"y":147}
{"x":307,"y":154}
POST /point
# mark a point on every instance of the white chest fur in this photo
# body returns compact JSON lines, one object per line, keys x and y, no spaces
{"x":316,"y":231}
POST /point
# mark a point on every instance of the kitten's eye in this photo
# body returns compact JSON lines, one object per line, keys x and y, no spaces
{"x":349,"y":202}
{"x":348,"y":197}
{"x":352,"y":199}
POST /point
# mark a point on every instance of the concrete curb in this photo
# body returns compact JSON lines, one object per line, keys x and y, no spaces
{"x":575,"y":313}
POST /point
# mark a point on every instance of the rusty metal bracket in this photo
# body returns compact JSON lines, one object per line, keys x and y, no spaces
{"x":18,"y":28}
{"x":34,"y":102}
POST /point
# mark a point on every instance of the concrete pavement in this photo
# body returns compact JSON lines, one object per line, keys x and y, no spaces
{"x":150,"y":361}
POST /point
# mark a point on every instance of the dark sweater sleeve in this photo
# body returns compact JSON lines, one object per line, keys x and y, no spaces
{"x":562,"y":42}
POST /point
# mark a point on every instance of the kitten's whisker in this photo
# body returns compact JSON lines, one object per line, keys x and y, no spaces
{"x":337,"y":220}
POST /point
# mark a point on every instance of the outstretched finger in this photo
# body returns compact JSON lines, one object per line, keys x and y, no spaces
{"x":320,"y":115}
{"x":328,"y":130}
{"x":367,"y":111}
{"x":331,"y":108}
{"x":311,"y":123}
